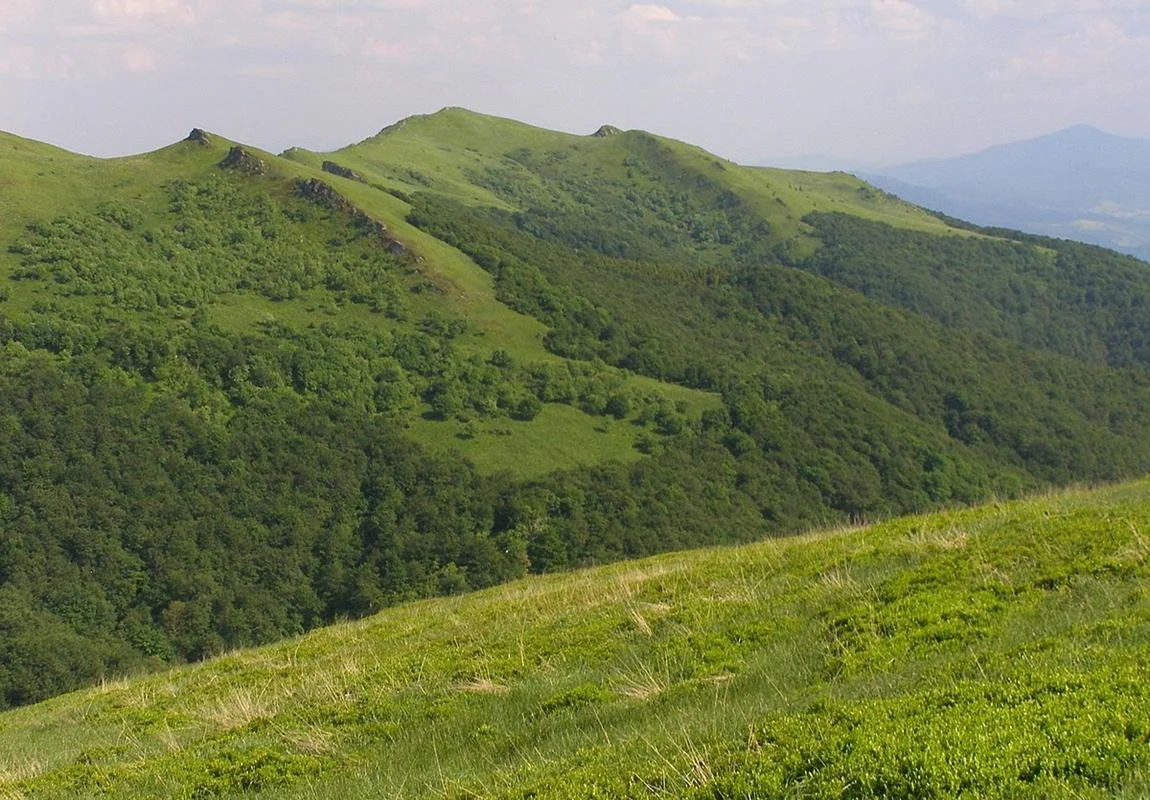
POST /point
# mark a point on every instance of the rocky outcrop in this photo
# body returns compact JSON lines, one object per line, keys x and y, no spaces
{"x":199,"y":136}
{"x":320,"y":193}
{"x":343,"y":172}
{"x":241,"y":160}
{"x":607,"y":130}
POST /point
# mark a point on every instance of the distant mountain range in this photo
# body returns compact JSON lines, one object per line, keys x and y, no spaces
{"x":1079,"y":183}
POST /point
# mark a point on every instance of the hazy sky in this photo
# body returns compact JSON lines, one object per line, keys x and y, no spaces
{"x":871,"y":80}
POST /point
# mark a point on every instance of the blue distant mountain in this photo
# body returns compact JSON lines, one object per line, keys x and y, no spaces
{"x":1079,"y":183}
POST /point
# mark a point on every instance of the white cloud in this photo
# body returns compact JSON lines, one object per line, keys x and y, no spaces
{"x":268,"y":71}
{"x":394,"y":49}
{"x":860,"y":73}
{"x":344,"y":5}
{"x":646,"y":12}
{"x":135,"y":9}
{"x":903,"y":20}
{"x":984,"y":9}
{"x":1101,"y":55}
{"x":31,"y":64}
{"x":139,"y":58}
{"x":16,"y":13}
{"x":650,"y":31}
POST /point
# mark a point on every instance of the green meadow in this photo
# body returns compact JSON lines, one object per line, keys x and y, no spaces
{"x":997,"y":651}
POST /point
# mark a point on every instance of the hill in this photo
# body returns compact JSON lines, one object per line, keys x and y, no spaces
{"x":1079,"y":183}
{"x":245,"y":395}
{"x":1001,"y":651}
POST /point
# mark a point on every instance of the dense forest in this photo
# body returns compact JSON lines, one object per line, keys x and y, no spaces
{"x":1071,"y":298}
{"x":176,"y":482}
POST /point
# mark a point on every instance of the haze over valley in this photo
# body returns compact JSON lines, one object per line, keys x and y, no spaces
{"x":1079,"y":183}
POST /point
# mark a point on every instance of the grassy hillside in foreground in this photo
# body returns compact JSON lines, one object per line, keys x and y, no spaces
{"x":1001,"y":651}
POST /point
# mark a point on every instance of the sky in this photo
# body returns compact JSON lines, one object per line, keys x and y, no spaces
{"x":874,"y":82}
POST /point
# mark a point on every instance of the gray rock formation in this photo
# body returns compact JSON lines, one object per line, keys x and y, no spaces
{"x":343,"y":172}
{"x":241,"y":160}
{"x":325,"y":196}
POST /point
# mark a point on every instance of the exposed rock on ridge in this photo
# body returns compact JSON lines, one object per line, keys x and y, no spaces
{"x":241,"y":160}
{"x":325,"y":196}
{"x":341,"y":171}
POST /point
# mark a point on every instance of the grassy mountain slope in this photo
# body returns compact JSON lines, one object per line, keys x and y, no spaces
{"x":1000,"y":651}
{"x":244,"y":395}
{"x":450,"y":151}
{"x":206,"y":372}
{"x":46,"y":182}
{"x":608,"y":235}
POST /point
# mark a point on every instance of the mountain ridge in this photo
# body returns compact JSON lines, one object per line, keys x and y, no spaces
{"x":235,"y":410}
